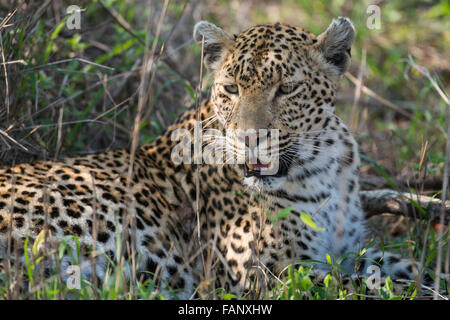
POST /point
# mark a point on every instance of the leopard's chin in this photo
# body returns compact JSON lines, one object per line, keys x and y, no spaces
{"x":261,"y":184}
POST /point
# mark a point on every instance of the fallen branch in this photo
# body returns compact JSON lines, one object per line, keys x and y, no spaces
{"x":380,"y":182}
{"x":377,"y":202}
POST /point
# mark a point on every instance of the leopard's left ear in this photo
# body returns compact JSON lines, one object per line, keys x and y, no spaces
{"x":336,"y":42}
{"x":216,"y":43}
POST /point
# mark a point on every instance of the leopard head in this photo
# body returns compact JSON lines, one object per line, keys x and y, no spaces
{"x":274,"y":90}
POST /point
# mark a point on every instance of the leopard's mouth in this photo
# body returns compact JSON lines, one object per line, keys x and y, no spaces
{"x":261,"y":170}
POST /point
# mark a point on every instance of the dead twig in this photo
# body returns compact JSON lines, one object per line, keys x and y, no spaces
{"x":378,"y":98}
{"x":377,"y":202}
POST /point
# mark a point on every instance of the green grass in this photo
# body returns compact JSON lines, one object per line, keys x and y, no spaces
{"x":296,"y":281}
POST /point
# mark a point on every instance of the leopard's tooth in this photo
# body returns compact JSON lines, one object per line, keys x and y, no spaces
{"x":250,"y":166}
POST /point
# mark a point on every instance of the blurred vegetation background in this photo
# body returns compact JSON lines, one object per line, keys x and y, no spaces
{"x":67,"y":92}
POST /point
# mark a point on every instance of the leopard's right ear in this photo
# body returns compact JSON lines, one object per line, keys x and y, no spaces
{"x":335,"y":44}
{"x":217,"y":43}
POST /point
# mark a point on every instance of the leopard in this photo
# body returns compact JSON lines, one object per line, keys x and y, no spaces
{"x":201,"y":226}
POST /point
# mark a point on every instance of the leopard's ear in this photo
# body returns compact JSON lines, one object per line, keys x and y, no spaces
{"x":216,"y":43}
{"x":335,"y":44}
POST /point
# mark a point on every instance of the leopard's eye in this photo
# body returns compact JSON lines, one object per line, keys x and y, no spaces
{"x":232,"y":88}
{"x":287,"y":88}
